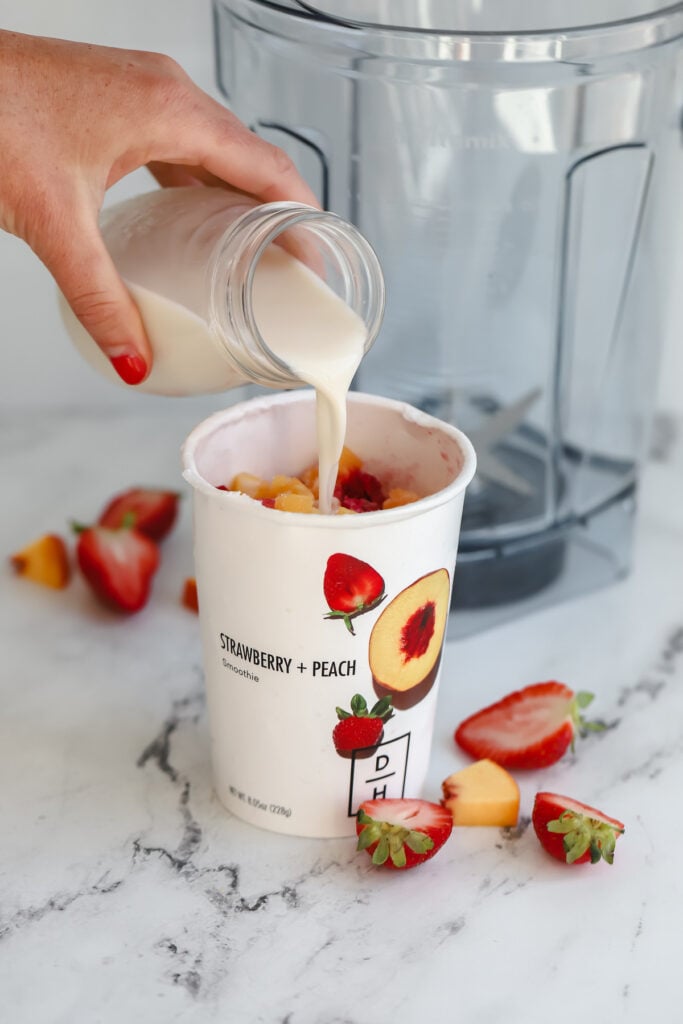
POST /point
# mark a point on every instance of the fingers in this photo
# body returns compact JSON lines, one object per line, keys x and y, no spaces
{"x":238,"y":156}
{"x":84,"y":272}
{"x":176,"y":175}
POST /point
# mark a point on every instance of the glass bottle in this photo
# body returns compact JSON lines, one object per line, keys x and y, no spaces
{"x":189,"y":258}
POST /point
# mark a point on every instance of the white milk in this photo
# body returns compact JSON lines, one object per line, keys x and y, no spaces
{"x":320,"y":337}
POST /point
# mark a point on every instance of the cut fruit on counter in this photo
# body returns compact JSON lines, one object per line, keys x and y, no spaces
{"x":151,"y":512}
{"x":482,"y":794}
{"x":401,"y":833}
{"x":118,"y":564}
{"x":44,"y":561}
{"x":530,"y":728}
{"x":188,"y":597}
{"x":573,"y":832}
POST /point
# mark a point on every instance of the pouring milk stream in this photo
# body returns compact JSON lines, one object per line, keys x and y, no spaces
{"x":170,"y":248}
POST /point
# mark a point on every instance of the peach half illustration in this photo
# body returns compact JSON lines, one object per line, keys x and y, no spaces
{"x":406,"y":641}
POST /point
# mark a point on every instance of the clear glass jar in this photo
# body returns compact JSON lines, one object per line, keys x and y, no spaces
{"x":189,"y":258}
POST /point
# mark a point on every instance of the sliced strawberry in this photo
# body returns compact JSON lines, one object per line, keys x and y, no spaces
{"x":118,"y":565}
{"x":351,"y":588}
{"x":149,"y":511}
{"x":530,"y":728}
{"x":402,"y":833}
{"x":574,"y":832}
{"x":362,"y":727}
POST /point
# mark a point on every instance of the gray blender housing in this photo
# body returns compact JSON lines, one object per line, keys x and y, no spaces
{"x":514,"y":165}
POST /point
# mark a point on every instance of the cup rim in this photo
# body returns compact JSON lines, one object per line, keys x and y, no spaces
{"x":254,"y":406}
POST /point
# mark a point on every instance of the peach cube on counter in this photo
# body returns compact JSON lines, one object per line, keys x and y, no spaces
{"x":482,"y":794}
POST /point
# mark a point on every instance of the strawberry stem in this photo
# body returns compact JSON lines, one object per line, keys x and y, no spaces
{"x":360,"y":610}
{"x":581,"y":700}
{"x":582,"y":833}
{"x":391,"y":840}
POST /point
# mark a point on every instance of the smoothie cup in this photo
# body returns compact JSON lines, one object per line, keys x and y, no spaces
{"x":281,"y":650}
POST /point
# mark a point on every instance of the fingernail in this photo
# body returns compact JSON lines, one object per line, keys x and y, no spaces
{"x":131,"y":368}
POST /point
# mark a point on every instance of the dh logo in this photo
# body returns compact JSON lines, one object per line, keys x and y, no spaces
{"x":381,"y":777}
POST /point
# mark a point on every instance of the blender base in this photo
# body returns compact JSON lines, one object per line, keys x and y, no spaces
{"x":495,"y":586}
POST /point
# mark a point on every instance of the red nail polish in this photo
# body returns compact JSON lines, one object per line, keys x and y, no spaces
{"x":131,"y":369}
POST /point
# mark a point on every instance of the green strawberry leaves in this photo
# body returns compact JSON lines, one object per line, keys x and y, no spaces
{"x":359,"y":709}
{"x":583,"y":834}
{"x":391,"y":840}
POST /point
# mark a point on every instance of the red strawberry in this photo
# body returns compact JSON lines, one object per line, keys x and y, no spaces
{"x":118,"y":565}
{"x":530,"y":728}
{"x":361,"y":728}
{"x":573,"y":832}
{"x":359,"y":491}
{"x":351,"y":588}
{"x":154,"y":512}
{"x":360,"y":504}
{"x":402,"y":833}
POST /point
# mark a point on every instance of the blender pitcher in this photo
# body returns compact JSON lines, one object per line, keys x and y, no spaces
{"x":514,"y":166}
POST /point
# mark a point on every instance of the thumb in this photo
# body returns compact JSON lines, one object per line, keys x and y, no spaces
{"x":83,"y":270}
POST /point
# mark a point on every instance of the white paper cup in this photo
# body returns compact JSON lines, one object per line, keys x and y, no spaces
{"x":277,"y":665}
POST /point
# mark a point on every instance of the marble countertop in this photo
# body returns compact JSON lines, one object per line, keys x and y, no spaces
{"x":128,"y":894}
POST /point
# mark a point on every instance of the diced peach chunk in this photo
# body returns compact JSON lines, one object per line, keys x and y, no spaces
{"x":281,"y":484}
{"x":348,"y":462}
{"x":309,"y":477}
{"x":287,"y":501}
{"x":44,"y":561}
{"x":247,"y":483}
{"x":399,"y":496}
{"x":482,"y":794}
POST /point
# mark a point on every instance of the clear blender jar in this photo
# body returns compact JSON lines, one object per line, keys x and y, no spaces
{"x":515,"y":167}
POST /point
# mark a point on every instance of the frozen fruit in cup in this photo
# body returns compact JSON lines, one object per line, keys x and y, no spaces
{"x":356,"y":490}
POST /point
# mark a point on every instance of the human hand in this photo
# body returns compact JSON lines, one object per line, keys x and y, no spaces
{"x":75,"y":119}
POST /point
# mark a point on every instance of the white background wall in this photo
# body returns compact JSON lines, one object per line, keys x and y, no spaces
{"x":38,"y":367}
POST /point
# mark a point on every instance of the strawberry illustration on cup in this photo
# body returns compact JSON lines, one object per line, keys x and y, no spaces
{"x":351,"y":587}
{"x":361,"y":729}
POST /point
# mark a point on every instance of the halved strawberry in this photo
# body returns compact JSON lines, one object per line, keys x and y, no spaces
{"x":154,"y":512}
{"x":530,"y":728}
{"x":118,"y":565}
{"x":351,"y":588}
{"x":402,"y":833}
{"x":362,"y":727}
{"x":574,"y":832}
